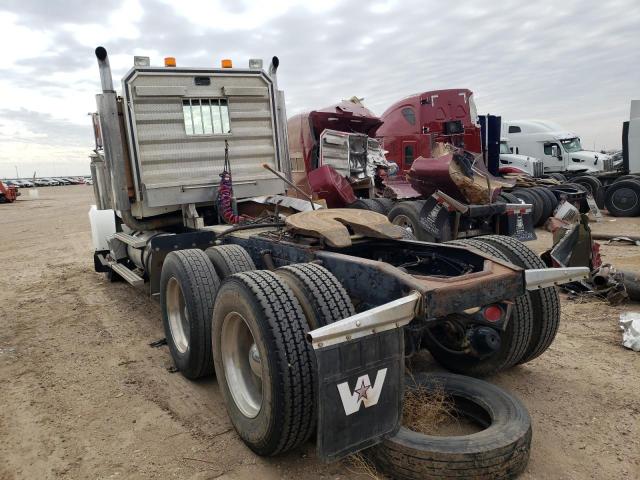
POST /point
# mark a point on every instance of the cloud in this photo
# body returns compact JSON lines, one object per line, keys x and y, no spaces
{"x":573,"y":62}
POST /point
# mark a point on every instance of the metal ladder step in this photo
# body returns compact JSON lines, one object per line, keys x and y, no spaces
{"x":130,"y":240}
{"x":129,"y":276}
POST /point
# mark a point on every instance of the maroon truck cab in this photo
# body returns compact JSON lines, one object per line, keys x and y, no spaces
{"x":413,"y":125}
{"x":304,"y":130}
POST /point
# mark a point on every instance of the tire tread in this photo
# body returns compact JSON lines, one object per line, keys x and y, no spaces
{"x":545,"y":301}
{"x":296,"y":369}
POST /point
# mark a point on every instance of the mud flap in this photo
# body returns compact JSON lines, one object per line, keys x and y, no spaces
{"x":360,"y":393}
{"x":435,"y":220}
{"x":518,"y":223}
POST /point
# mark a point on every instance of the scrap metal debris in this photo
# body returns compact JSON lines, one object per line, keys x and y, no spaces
{"x":574,"y":247}
{"x":630,"y":326}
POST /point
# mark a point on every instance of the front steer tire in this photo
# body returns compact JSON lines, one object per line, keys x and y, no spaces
{"x":188,"y":288}
{"x":500,"y":451}
{"x":282,"y":416}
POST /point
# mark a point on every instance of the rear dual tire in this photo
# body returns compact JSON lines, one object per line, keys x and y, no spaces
{"x":533,"y":198}
{"x":407,"y":215}
{"x":544,"y":301}
{"x":229,"y":259}
{"x":188,"y":288}
{"x":514,"y":341}
{"x":322,"y":297}
{"x":370,"y":204}
{"x":263,"y":362}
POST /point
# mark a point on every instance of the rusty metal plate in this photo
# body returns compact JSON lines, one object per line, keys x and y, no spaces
{"x":331,"y":225}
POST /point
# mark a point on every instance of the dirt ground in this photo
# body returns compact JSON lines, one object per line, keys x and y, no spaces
{"x":83,"y":395}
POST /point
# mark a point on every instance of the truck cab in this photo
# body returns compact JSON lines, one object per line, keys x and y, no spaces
{"x":513,"y":163}
{"x":560,"y":150}
{"x":412,"y":125}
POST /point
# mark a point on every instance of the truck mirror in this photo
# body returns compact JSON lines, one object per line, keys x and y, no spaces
{"x":554,"y":150}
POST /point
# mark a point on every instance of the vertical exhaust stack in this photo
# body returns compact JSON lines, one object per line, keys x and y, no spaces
{"x":281,"y":120}
{"x":106,"y":80}
{"x":273,"y":67}
{"x":113,"y":143}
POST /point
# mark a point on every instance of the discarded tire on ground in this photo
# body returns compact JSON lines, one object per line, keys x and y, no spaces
{"x":623,"y":198}
{"x":188,"y":288}
{"x":545,"y":301}
{"x":322,"y":297}
{"x":263,"y":362}
{"x":407,"y":216}
{"x":500,"y":451}
{"x":229,"y":259}
{"x":514,"y":341}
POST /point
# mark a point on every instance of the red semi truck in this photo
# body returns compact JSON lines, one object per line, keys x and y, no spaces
{"x":338,"y":154}
{"x":412,"y":126}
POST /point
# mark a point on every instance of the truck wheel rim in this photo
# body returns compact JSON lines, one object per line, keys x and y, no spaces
{"x":625,"y":199}
{"x":242,"y":364}
{"x":178,"y":315}
{"x":404,"y":222}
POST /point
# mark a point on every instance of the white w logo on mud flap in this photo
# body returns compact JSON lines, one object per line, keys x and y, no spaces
{"x":363,"y":392}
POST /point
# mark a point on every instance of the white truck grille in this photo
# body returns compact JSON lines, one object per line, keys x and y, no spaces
{"x":538,"y":169}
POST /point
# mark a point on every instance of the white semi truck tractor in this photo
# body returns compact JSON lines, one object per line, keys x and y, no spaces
{"x":514,"y":163}
{"x":564,"y":159}
{"x":559,"y":149}
{"x":304,"y":314}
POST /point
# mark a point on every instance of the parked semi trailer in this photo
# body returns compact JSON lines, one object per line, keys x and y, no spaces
{"x":306,"y":319}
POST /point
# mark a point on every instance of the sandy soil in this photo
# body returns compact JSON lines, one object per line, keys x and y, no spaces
{"x":84,"y":396}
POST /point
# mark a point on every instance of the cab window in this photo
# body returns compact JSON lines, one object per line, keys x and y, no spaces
{"x":409,"y":115}
{"x":548,"y":148}
{"x":514,"y":129}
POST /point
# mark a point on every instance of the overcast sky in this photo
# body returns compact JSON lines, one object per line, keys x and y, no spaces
{"x":574,"y":62}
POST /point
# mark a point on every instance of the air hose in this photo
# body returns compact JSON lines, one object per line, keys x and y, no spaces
{"x":225,"y":191}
